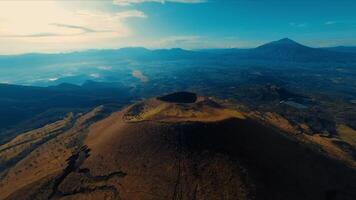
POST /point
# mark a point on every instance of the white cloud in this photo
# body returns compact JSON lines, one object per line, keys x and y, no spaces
{"x":53,"y":79}
{"x":95,"y":75}
{"x":341,"y":22}
{"x":105,"y":68}
{"x":298,"y":25}
{"x":49,"y":26}
{"x":330,"y":22}
{"x":130,"y":2}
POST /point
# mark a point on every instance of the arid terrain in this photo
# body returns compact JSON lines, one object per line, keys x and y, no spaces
{"x":179,"y":146}
{"x":177,"y":100}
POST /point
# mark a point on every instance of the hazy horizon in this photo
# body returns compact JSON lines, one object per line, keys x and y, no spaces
{"x":165,"y":48}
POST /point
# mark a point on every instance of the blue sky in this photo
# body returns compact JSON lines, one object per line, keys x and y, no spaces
{"x":57,"y":26}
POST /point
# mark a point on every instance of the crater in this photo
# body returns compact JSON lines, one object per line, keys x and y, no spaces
{"x":179,"y":97}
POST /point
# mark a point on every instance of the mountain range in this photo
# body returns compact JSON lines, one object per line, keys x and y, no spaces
{"x":284,"y":49}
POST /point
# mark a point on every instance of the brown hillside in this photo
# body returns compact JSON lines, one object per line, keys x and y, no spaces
{"x":165,"y":150}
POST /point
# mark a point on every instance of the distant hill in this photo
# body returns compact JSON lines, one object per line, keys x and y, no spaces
{"x":122,"y":53}
{"x":283,"y":48}
{"x":289,"y":50}
{"x":345,"y":49}
{"x":223,"y":51}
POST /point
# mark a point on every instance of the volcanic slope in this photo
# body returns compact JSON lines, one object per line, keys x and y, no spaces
{"x":157,"y":149}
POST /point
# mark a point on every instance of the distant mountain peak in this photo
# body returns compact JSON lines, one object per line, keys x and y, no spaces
{"x":284,"y":43}
{"x":134,"y":49}
{"x":287,"y":41}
